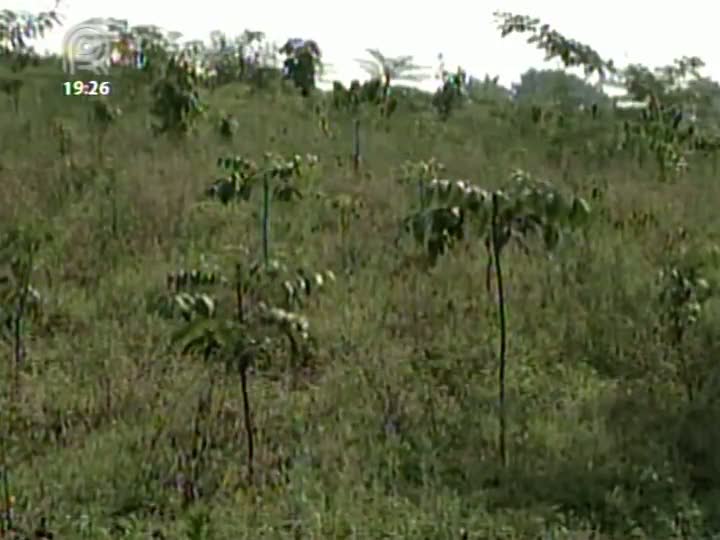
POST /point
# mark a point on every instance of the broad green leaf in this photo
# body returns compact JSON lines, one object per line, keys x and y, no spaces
{"x":197,"y":330}
{"x":205,"y":305}
{"x":580,"y":212}
{"x":185,"y":302}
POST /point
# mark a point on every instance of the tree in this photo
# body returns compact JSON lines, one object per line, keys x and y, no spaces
{"x":571,"y":52}
{"x":303,"y":63}
{"x":387,"y":70}
{"x":486,"y":89}
{"x":453,"y":92}
{"x":671,"y":85}
{"x":247,"y":57}
{"x":544,"y":87}
{"x":18,"y":29}
{"x":704,"y":94}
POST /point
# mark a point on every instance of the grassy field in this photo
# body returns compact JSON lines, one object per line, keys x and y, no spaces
{"x":390,"y":430}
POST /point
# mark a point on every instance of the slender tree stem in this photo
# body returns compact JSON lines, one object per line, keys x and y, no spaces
{"x":248,"y":421}
{"x":356,"y":145}
{"x":496,"y":247}
{"x":266,"y":221}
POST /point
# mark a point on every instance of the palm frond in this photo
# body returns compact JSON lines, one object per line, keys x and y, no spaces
{"x":397,"y":68}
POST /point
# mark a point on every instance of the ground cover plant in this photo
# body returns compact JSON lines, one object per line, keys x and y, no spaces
{"x":233,"y":305}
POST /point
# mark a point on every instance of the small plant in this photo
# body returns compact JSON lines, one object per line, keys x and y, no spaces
{"x":348,"y":208}
{"x":659,"y":130}
{"x":20,"y":303}
{"x":64,"y":135}
{"x":420,"y":172}
{"x":199,"y":525}
{"x":103,"y":116}
{"x":11,"y":88}
{"x":436,"y":229}
{"x":687,"y":284}
{"x":251,"y":322}
{"x":452,"y":92}
{"x":19,"y":300}
{"x":176,"y":97}
{"x":285,"y":175}
{"x":242,"y":175}
{"x":7,"y":508}
{"x":237,"y":183}
{"x":526,"y":207}
{"x":323,"y":122}
{"x":227,"y":126}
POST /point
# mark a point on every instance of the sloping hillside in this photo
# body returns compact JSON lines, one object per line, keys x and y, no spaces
{"x":383,"y":423}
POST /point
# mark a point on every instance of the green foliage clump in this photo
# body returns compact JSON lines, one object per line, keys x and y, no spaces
{"x":302,"y":63}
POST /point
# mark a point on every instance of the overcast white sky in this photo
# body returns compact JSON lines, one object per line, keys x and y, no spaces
{"x":463,"y":30}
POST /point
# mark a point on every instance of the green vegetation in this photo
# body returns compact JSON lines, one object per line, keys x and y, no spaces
{"x":235,"y":306}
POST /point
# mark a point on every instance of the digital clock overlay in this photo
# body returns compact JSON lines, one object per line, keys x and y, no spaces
{"x":86,"y":88}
